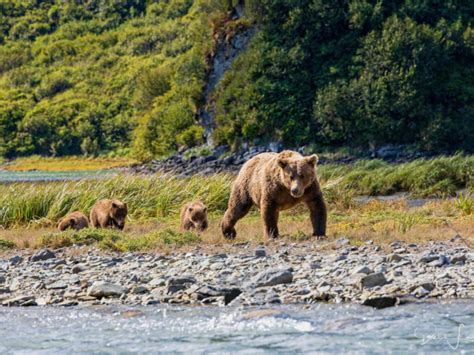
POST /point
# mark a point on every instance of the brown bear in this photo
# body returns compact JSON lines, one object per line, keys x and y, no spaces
{"x":108,"y":214}
{"x":74,"y":220}
{"x":275,"y":182}
{"x":194,"y":216}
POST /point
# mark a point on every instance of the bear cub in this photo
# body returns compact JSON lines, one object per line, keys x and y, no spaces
{"x":74,"y":220}
{"x":108,"y":214}
{"x":275,"y":182}
{"x":194,"y":216}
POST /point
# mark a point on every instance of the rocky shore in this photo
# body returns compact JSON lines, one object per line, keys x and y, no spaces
{"x":221,"y":160}
{"x":241,"y":274}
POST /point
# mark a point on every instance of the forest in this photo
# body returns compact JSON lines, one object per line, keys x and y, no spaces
{"x":131,"y":77}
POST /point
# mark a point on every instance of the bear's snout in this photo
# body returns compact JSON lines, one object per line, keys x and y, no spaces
{"x":296,"y":192}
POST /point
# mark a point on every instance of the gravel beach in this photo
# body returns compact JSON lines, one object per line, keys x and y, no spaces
{"x":241,"y":274}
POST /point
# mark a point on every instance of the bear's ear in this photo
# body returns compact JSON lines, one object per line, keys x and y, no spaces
{"x":72,"y":222}
{"x":205,"y":209}
{"x":312,"y":159}
{"x":282,"y":163}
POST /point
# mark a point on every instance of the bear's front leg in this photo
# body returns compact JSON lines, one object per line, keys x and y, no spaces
{"x":237,"y":209}
{"x":269,"y":213}
{"x":318,"y":211}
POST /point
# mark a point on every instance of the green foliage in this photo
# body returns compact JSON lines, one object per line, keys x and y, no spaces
{"x":354,"y":73}
{"x":128,"y":76}
{"x":80,"y":77}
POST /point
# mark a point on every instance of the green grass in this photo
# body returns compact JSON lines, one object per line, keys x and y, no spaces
{"x":6,"y":244}
{"x":108,"y":239}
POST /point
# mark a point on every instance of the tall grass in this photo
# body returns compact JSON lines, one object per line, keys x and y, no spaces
{"x":146,"y":196}
{"x":439,"y":177}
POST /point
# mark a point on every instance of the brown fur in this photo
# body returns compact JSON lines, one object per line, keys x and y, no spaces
{"x":275,"y":182}
{"x":109,"y":214}
{"x":74,"y":220}
{"x":194,"y":216}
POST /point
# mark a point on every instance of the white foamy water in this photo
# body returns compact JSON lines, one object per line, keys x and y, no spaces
{"x":425,"y":328}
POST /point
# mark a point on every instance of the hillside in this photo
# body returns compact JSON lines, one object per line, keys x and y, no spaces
{"x":145,"y":78}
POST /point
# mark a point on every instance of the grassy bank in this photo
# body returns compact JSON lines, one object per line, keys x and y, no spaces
{"x":381,"y":222}
{"x":29,"y":212}
{"x":65,"y":163}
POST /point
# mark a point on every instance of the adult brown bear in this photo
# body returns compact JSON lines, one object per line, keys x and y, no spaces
{"x":275,"y":182}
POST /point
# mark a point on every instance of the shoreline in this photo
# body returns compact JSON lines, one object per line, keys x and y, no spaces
{"x":242,"y":274}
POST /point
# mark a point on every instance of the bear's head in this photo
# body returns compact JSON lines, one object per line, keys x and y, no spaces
{"x":297,"y":172}
{"x":66,"y":223}
{"x":118,"y":213}
{"x":197,"y":213}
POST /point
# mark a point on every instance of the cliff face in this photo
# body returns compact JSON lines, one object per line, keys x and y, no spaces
{"x":231,"y":38}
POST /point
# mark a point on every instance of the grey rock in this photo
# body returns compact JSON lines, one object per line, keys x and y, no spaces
{"x":394,"y":258}
{"x":19,"y":301}
{"x":342,"y":242}
{"x":176,"y":284}
{"x":429,"y":286}
{"x":158,"y":281}
{"x":372,"y":280}
{"x":101,"y":289}
{"x":459,"y":258}
{"x":43,"y":254}
{"x":442,"y":260}
{"x":76,"y":269}
{"x":260,"y":252}
{"x":429,"y":258}
{"x":58,"y":285}
{"x":15,"y":260}
{"x":363,"y":270}
{"x":138,"y":290}
{"x":272,"y":277}
{"x":14,"y":284}
{"x":421,"y":292}
{"x":380,"y":302}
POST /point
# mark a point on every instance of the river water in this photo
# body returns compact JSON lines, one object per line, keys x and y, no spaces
{"x":7,"y":176}
{"x":415,"y":328}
